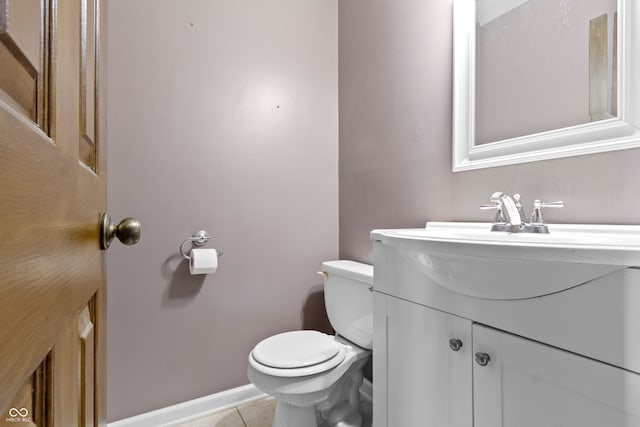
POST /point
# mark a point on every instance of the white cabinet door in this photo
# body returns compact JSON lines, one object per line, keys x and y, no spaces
{"x":420,"y":381}
{"x":528,"y":384}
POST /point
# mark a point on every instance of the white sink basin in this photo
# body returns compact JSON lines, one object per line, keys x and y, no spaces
{"x":470,"y":259}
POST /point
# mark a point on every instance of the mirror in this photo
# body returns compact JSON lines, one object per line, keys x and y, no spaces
{"x":542,"y":79}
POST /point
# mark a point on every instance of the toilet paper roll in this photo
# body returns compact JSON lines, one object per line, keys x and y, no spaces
{"x":203,"y":261}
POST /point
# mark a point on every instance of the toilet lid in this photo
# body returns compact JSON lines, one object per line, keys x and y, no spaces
{"x":295,"y":349}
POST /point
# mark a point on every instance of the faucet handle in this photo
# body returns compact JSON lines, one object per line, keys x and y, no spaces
{"x":536,"y":216}
{"x":491,"y":206}
{"x":500,"y":218}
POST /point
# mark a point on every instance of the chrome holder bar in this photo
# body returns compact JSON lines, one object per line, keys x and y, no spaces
{"x":199,"y":238}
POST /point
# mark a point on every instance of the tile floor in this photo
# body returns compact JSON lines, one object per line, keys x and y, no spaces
{"x":258,"y":413}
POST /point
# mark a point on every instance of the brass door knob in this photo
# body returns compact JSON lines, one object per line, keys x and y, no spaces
{"x":127,"y":231}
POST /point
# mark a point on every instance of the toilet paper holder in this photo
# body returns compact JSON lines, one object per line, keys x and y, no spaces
{"x":199,"y":238}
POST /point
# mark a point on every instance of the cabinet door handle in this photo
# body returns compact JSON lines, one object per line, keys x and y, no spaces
{"x":482,"y":359}
{"x":455,"y":344}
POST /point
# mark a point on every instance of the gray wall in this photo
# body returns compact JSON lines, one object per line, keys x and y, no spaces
{"x":395,"y":136}
{"x":223,"y":115}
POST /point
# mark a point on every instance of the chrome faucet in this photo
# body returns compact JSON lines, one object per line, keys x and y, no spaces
{"x":510,"y":214}
{"x":508,"y":217}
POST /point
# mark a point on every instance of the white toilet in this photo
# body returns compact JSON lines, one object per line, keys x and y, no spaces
{"x":315,"y":378}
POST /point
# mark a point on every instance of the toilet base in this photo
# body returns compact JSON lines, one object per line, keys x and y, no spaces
{"x":289,"y":415}
{"x":340,"y":409}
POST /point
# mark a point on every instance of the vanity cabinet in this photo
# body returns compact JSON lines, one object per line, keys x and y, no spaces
{"x":529,"y":384}
{"x":474,"y":328}
{"x":417,"y":376}
{"x":432,"y":368}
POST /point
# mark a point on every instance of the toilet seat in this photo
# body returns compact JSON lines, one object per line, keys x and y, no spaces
{"x":297,"y":353}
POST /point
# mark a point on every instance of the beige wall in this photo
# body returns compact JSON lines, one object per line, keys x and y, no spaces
{"x":395,"y":136}
{"x":222,"y":116}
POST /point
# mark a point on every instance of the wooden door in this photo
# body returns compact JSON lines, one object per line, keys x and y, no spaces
{"x":528,"y":384}
{"x":419,"y":379}
{"x":52,"y":190}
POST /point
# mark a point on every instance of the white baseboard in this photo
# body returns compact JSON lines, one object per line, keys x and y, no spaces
{"x":206,"y":405}
{"x":196,"y":408}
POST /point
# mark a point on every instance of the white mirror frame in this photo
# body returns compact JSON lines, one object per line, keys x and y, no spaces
{"x":619,"y":133}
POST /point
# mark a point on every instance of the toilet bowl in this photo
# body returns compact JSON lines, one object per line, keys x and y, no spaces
{"x":315,"y":378}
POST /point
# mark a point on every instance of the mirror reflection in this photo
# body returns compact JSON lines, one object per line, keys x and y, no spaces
{"x":543,"y":65}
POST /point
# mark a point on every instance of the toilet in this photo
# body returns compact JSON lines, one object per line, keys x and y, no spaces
{"x":314,"y":377}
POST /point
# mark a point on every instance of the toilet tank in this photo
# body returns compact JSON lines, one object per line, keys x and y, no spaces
{"x":349,"y":301}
